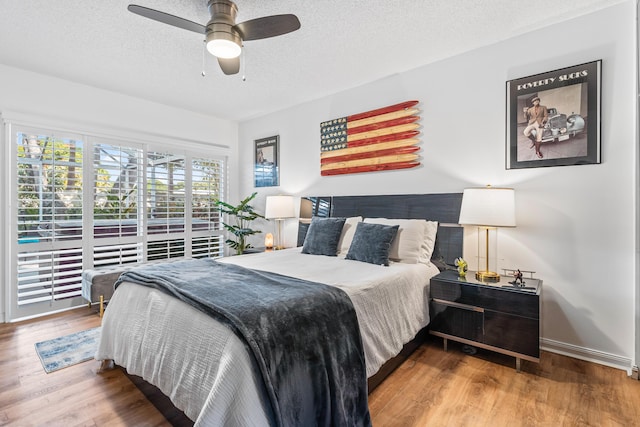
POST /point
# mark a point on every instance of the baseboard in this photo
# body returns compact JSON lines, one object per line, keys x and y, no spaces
{"x":590,"y":355}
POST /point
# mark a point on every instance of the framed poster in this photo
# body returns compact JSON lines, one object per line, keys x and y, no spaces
{"x":266,"y":160}
{"x":553,"y":118}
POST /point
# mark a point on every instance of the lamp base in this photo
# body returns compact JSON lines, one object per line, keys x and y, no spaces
{"x":487,"y":276}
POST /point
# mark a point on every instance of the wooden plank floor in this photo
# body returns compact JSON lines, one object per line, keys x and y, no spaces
{"x":432,"y":388}
{"x":437,"y":388}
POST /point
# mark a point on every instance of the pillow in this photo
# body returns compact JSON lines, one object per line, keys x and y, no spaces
{"x":429,"y":243}
{"x":414,"y":242}
{"x":348,"y":231}
{"x":371,"y":243}
{"x":323,"y":236}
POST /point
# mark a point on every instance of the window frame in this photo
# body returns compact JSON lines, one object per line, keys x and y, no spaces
{"x":189,"y":149}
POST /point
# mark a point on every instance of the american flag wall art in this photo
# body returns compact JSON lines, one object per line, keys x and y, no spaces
{"x":376,"y":140}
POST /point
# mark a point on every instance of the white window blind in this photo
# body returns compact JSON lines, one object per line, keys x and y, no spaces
{"x":49,"y":188}
{"x":207,"y":247}
{"x":165,"y":193}
{"x":109,"y":255}
{"x":117,"y":178}
{"x":207,"y":184}
{"x":48,"y":217}
{"x":45,"y":276}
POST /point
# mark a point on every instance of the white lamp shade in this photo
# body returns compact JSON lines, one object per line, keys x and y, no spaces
{"x":279,"y":207}
{"x":488,"y":207}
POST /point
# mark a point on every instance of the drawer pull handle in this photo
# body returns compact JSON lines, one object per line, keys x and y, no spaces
{"x":459,"y":305}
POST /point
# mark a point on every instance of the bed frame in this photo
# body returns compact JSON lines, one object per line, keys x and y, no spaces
{"x":444,"y":208}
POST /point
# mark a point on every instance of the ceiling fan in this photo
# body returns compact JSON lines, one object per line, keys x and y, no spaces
{"x":224,"y":37}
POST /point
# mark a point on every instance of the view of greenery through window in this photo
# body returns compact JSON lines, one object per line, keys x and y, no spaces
{"x":49,"y":184}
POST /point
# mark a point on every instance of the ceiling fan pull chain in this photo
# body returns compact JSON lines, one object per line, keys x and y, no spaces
{"x":244,"y":63}
{"x":204,"y":51}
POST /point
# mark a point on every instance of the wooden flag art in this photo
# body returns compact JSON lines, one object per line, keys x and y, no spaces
{"x":376,"y":140}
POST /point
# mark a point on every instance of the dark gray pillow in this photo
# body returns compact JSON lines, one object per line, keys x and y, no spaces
{"x":372,"y":242}
{"x":323,"y":236}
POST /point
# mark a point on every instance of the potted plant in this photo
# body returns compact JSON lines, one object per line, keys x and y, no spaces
{"x":243,"y":214}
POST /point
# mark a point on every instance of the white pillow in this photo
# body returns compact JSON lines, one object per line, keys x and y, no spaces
{"x":348,"y":231}
{"x":429,"y":243}
{"x":414,"y":242}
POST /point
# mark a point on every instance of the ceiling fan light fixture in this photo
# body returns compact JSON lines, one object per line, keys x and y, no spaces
{"x":223,"y":48}
{"x":223,"y":40}
{"x":223,"y":37}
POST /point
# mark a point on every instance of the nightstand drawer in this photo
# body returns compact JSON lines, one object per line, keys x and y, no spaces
{"x":457,"y":319}
{"x":488,"y":297}
{"x":513,"y":333}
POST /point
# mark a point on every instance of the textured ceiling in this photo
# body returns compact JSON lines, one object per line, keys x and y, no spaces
{"x":341,"y":44}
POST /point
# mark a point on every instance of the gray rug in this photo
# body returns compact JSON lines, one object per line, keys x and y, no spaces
{"x":68,"y":350}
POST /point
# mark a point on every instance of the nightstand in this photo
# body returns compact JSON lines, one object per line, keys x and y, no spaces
{"x":493,"y":316}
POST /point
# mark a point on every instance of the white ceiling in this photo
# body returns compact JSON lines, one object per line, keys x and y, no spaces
{"x":341,"y":44}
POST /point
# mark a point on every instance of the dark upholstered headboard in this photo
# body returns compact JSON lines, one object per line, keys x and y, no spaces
{"x":444,"y":208}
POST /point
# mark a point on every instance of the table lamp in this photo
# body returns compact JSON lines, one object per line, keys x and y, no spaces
{"x":279,"y":208}
{"x":487,"y":208}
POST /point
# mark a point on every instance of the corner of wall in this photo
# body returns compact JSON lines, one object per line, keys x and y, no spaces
{"x":4,"y":289}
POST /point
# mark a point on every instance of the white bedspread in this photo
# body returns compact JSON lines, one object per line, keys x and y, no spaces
{"x":204,"y":368}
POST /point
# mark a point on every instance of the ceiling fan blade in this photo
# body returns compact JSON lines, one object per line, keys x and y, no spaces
{"x":166,"y":18}
{"x":229,"y":65}
{"x":268,"y":26}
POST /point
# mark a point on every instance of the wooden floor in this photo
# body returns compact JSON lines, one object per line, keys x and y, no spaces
{"x":432,"y":388}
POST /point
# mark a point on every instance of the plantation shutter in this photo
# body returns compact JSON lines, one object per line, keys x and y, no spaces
{"x":48,"y":217}
{"x":117,"y":178}
{"x":166,"y":216}
{"x":207,"y":184}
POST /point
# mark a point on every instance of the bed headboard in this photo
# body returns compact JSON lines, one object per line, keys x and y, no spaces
{"x":444,"y":208}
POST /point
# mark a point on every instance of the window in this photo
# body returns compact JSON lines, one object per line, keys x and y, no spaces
{"x":117,"y":176}
{"x":49,"y":217}
{"x":166,"y":214}
{"x":49,"y":188}
{"x":207,"y":182}
{"x":88,"y":202}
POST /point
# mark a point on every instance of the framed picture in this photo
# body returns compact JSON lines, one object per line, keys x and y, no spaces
{"x":553,"y":118}
{"x":266,"y":162}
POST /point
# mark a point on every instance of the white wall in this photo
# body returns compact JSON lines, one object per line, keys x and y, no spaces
{"x":576,"y":224}
{"x":44,"y":100}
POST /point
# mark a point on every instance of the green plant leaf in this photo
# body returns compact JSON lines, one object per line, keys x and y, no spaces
{"x":243,"y":213}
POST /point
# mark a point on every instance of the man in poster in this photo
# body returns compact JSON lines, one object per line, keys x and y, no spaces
{"x":536,"y":116}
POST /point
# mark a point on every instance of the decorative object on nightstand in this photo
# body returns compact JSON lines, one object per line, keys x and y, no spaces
{"x":279,"y":208}
{"x":462,"y":267}
{"x":517,"y":278}
{"x":518,"y":281}
{"x":268,"y":241}
{"x":487,"y":208}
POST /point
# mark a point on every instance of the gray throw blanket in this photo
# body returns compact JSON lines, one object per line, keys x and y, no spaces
{"x":304,"y":336}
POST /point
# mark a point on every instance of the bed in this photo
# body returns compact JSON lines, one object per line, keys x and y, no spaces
{"x":209,"y":372}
